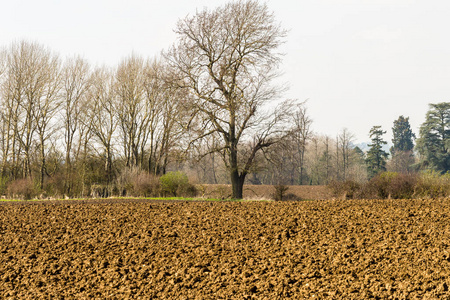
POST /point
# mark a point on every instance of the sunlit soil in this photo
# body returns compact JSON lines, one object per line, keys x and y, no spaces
{"x":124,"y":249}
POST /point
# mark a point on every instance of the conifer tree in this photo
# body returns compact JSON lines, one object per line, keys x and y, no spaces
{"x":433,"y":144}
{"x":402,"y":135}
{"x":403,"y":145}
{"x":376,"y":156}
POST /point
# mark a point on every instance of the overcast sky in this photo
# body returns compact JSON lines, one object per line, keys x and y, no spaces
{"x":359,"y":62}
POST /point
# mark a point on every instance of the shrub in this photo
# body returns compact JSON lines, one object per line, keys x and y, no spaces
{"x":279,"y":192}
{"x":348,"y":189}
{"x":391,"y":185}
{"x":146,"y":185}
{"x":124,"y":182}
{"x":136,"y":182}
{"x":56,"y":185}
{"x":177,"y":184}
{"x":433,"y":185}
{"x":379,"y":186}
{"x":22,"y":189}
{"x":222,"y":192}
{"x":402,"y":186}
{"x":395,"y":186}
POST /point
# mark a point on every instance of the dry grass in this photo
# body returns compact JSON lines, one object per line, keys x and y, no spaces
{"x":261,"y":192}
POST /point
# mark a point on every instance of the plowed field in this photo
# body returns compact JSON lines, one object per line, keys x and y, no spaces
{"x":225,"y":250}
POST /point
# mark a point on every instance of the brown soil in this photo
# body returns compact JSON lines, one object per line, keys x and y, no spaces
{"x":225,"y":250}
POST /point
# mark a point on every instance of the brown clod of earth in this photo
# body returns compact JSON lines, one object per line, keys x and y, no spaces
{"x":124,"y":249}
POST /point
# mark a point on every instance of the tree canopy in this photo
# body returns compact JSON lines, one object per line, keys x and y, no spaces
{"x":403,"y":137}
{"x":433,"y":144}
{"x":227,"y":59}
{"x":376,"y":156}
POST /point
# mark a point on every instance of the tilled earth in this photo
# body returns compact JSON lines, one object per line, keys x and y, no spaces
{"x":390,"y":249}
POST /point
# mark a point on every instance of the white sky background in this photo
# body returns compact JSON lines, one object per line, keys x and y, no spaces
{"x":359,"y":62}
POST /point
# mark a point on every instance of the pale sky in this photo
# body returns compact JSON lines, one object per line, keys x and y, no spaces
{"x":359,"y":62}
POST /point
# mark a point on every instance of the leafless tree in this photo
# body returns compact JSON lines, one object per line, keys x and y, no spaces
{"x":13,"y":97}
{"x":29,"y":93}
{"x":227,"y":59}
{"x":2,"y":63}
{"x":4,"y":133}
{"x":134,"y":112}
{"x":102,"y":115}
{"x":46,"y":103}
{"x":402,"y":162}
{"x":349,"y":160}
{"x":301,"y":133}
{"x":76,"y":84}
{"x":165,"y":105}
{"x":75,"y":87}
{"x":344,"y":146}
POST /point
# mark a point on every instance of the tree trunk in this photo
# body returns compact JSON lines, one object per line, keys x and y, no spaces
{"x":237,"y":180}
{"x":108,"y":165}
{"x":237,"y":184}
{"x":41,"y":183}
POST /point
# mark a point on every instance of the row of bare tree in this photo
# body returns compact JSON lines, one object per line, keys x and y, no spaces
{"x":303,"y":158}
{"x":209,"y":102}
{"x":61,"y":114}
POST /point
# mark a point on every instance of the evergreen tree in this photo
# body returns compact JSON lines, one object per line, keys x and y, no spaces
{"x":402,"y":136}
{"x":402,"y":148}
{"x":376,"y":156}
{"x":434,"y":141}
{"x":360,"y":154}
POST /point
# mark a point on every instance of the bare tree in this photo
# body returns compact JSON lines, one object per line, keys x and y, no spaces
{"x":2,"y":63}
{"x":76,"y":83}
{"x":13,"y":96}
{"x":5,"y":132}
{"x":102,"y":115}
{"x":345,"y":147}
{"x":326,"y":159}
{"x":133,"y":110}
{"x":167,"y":113}
{"x":29,"y":92}
{"x":301,"y":133}
{"x":226,"y":59}
{"x":205,"y":159}
{"x":47,"y":101}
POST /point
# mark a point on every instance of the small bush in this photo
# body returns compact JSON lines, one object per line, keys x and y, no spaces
{"x":279,"y":192}
{"x":146,"y":185}
{"x":433,"y":185}
{"x":348,"y":189}
{"x":395,"y":186}
{"x":101,"y":190}
{"x":136,"y":182}
{"x":222,"y":192}
{"x":22,"y":189}
{"x":403,"y":186}
{"x":55,"y":186}
{"x":391,"y":185}
{"x":379,"y":186}
{"x":177,"y":184}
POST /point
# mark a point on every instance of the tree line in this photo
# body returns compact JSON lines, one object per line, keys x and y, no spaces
{"x":208,"y":106}
{"x":429,"y":152}
{"x":77,"y":125}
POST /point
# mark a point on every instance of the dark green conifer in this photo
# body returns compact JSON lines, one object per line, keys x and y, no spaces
{"x":376,"y":156}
